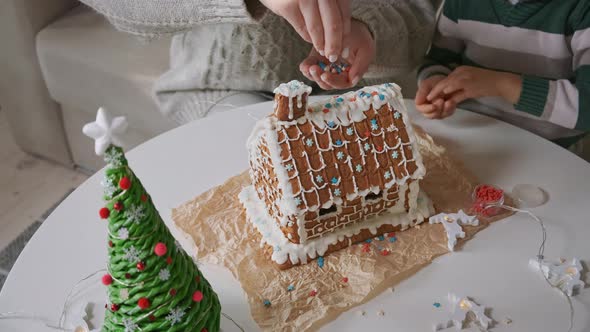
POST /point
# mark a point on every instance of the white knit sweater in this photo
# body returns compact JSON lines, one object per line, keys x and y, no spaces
{"x":224,"y":46}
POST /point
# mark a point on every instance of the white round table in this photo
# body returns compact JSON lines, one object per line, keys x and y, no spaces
{"x":492,"y":268}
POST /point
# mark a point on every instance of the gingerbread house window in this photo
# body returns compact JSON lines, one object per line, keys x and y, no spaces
{"x":329,"y":210}
{"x":373,"y":196}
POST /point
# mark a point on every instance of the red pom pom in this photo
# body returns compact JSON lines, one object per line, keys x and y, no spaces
{"x":114,"y":307}
{"x":169,"y":260}
{"x":160,"y":249}
{"x":118,"y":206}
{"x":127,"y":275}
{"x":197,"y":296}
{"x":173,"y":292}
{"x":140,"y":266}
{"x":198,"y":279}
{"x":204,"y":330}
{"x":143,"y":303}
{"x":104,"y":213}
{"x":152,"y":318}
{"x":111,"y":244}
{"x":143,"y":197}
{"x":107,"y":279}
{"x":124,"y":183}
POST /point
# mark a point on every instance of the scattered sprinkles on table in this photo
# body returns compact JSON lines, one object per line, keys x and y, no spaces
{"x":321,"y":262}
{"x":436,"y":305}
{"x":290,"y":288}
{"x":267,"y":303}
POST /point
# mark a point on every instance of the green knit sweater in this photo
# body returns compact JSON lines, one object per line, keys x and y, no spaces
{"x":548,"y":42}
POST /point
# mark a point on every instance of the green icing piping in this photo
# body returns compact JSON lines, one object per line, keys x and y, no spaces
{"x":143,"y":236}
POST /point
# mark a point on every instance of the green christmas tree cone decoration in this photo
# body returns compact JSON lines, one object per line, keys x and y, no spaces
{"x":152,"y":284}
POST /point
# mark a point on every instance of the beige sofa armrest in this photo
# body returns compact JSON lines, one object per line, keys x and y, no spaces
{"x":34,"y":118}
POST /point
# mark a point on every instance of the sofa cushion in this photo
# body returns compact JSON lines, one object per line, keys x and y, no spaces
{"x":87,"y":63}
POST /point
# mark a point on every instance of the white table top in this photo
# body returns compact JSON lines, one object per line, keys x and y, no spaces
{"x":492,"y":268}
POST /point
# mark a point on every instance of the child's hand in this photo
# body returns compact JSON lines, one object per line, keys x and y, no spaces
{"x":467,"y":82}
{"x":362,"y":52}
{"x":431,"y":110}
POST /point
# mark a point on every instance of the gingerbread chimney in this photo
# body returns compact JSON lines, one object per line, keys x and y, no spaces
{"x":291,"y":100}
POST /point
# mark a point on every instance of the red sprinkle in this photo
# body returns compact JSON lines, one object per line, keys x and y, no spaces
{"x":118,"y":206}
{"x":140,"y":266}
{"x":144,"y":197}
{"x":152,"y":318}
{"x":345,"y":279}
{"x":169,"y":260}
{"x":313,"y":293}
{"x":173,"y":292}
{"x":114,"y":307}
{"x":325,"y":110}
{"x":384,"y":252}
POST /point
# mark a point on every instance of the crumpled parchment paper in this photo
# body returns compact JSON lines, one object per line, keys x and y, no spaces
{"x":217,"y":223}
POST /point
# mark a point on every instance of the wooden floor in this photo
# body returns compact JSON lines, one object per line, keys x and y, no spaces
{"x":28,"y":186}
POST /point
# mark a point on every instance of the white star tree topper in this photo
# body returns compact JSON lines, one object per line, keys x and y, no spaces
{"x":105,"y":131}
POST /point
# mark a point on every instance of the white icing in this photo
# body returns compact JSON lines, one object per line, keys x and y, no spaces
{"x":451,"y":223}
{"x":460,"y":306}
{"x":297,"y":253}
{"x":566,"y":275}
{"x":293,"y":89}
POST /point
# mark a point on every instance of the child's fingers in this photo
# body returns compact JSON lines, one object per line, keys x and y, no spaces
{"x":336,"y":81}
{"x":315,"y":72}
{"x":437,"y":90}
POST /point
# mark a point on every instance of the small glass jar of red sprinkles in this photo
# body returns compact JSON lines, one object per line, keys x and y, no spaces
{"x":485,"y":195}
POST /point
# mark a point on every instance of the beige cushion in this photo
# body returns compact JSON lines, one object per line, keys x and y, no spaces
{"x":86,"y":63}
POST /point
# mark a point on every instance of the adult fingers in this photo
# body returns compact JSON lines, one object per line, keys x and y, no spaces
{"x":336,"y":81}
{"x":315,"y":72}
{"x":333,"y":25}
{"x":346,"y":21}
{"x":448,"y":108}
{"x":313,"y":22}
{"x":425,"y":108}
{"x":295,"y":18}
{"x":422,"y":93}
{"x":359,"y":67}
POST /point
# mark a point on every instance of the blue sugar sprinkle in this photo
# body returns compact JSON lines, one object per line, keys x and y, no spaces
{"x":266,"y":303}
{"x":338,"y":142}
{"x":331,"y":124}
{"x":328,"y":105}
{"x":321,"y":262}
{"x":338,"y":70}
{"x":381,"y":237}
{"x":339,"y":99}
{"x":436,"y":304}
{"x":382,"y":97}
{"x":322,"y":65}
{"x":392,"y":239}
{"x":368,"y":240}
{"x":290,"y":288}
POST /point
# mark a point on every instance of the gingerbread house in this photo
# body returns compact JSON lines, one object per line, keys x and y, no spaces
{"x":326,"y":175}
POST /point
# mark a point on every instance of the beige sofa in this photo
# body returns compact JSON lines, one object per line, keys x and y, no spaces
{"x":59,"y":62}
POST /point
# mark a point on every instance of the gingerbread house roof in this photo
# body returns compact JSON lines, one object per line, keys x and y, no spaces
{"x":347,"y":146}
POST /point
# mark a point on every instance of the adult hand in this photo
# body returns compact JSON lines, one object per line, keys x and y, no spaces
{"x":362,"y":53}
{"x":434,"y":109}
{"x":468,"y":82}
{"x":324,"y":23}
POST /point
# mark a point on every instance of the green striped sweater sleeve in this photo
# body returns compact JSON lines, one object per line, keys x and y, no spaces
{"x":565,"y":102}
{"x":447,"y":46}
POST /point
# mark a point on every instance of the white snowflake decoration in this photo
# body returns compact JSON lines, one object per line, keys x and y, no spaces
{"x":130,"y":325}
{"x":359,"y":168}
{"x":319,"y":179}
{"x":367,"y":147}
{"x":175,"y":316}
{"x":131,"y":254}
{"x":123,"y":233}
{"x":289,"y":167}
{"x":566,"y":274}
{"x":387,"y":175}
{"x":460,"y":306}
{"x":105,"y":131}
{"x":397,"y":115}
{"x":340,"y":155}
{"x":349,"y":131}
{"x":164,"y":274}
{"x":451,"y":222}
{"x":113,"y":157}
{"x":124,"y":294}
{"x":109,"y":188}
{"x":135,"y":213}
{"x":394,"y":155}
{"x":374,"y":126}
{"x":309,"y":142}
